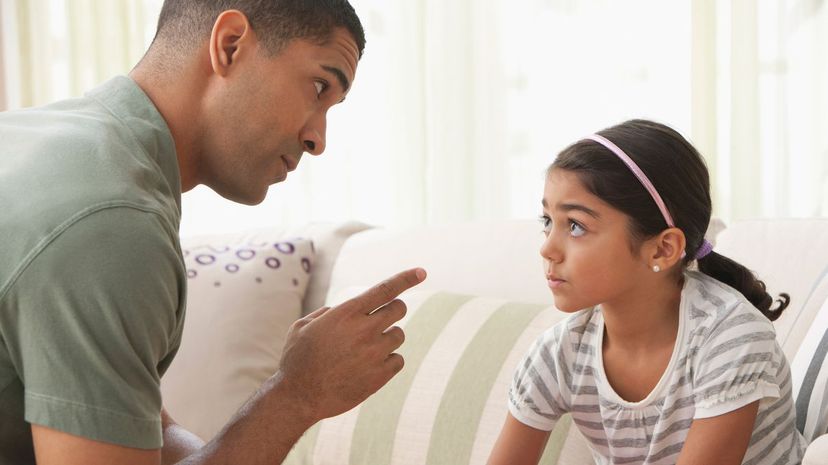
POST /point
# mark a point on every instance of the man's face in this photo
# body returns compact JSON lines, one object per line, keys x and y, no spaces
{"x":271,"y":109}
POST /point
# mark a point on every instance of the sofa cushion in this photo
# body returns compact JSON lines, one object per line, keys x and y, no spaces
{"x":817,"y":453}
{"x":809,"y":372}
{"x":447,"y":406}
{"x":244,"y":292}
{"x":789,"y":255}
{"x":465,"y":258}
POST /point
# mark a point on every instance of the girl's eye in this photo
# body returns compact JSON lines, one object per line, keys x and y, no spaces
{"x":575,"y":229}
{"x":320,"y":87}
{"x":546,"y":222}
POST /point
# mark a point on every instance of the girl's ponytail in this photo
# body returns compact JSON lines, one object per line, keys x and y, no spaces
{"x":743,"y":280}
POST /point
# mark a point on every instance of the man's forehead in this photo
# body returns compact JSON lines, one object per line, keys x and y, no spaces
{"x":343,"y":44}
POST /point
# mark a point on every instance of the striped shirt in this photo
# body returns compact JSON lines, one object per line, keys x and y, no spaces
{"x":725,"y":357}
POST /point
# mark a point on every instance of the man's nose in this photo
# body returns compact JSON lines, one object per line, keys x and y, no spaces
{"x":313,"y":138}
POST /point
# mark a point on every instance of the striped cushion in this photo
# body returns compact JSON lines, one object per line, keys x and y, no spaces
{"x":798,"y":317}
{"x":809,"y":371}
{"x":447,"y":406}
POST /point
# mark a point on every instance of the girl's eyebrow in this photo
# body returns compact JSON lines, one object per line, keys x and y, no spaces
{"x":567,"y":207}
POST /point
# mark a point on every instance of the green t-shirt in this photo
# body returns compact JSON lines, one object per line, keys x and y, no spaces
{"x":92,"y":281}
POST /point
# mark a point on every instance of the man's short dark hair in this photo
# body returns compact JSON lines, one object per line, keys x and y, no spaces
{"x":186,"y":23}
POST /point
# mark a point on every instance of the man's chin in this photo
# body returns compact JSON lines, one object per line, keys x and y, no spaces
{"x":245,"y":197}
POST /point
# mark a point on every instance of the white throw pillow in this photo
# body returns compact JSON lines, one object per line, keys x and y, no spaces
{"x":327,"y":238}
{"x":244,"y":293}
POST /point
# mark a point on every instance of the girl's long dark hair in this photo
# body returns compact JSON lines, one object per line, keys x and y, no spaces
{"x":679,"y":173}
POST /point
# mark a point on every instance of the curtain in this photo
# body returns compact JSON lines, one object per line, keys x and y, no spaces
{"x":2,"y":64}
{"x":61,"y":48}
{"x":458,"y":107}
{"x":760,"y":72}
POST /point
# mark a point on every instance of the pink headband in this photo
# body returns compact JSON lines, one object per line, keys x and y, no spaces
{"x":706,"y":247}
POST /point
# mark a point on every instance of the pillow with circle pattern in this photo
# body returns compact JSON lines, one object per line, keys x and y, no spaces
{"x":244,"y":292}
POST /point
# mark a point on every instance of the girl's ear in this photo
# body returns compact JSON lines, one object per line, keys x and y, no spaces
{"x":667,"y":248}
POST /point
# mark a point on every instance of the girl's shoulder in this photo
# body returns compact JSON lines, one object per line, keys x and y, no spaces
{"x":711,"y":306}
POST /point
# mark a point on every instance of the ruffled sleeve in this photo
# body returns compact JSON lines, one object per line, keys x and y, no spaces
{"x":737,"y":364}
{"x":535,"y":397}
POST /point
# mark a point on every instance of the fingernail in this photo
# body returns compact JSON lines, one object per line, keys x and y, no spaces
{"x":421,"y":274}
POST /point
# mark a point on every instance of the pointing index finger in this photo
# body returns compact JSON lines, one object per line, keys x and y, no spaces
{"x":387,"y":290}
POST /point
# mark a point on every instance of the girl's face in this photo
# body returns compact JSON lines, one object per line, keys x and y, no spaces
{"x":587,"y":253}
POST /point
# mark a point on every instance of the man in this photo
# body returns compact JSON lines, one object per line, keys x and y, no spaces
{"x":92,"y":284}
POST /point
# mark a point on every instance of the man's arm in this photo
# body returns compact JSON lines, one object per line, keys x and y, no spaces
{"x":55,"y":447}
{"x":178,"y":442}
{"x":333,"y":360}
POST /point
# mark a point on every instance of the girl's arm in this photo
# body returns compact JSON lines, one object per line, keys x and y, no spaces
{"x":722,"y":440}
{"x":518,"y":444}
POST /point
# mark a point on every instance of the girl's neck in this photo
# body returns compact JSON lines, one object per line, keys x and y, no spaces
{"x":645,"y":320}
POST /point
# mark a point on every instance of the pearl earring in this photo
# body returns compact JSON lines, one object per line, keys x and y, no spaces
{"x":656,"y":268}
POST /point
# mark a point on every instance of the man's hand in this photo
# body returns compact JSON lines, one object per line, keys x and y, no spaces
{"x":336,"y":357}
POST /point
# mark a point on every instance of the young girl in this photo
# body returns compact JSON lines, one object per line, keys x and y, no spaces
{"x":657,"y":364}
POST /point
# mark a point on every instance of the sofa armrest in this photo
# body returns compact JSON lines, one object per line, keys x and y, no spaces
{"x":817,"y":453}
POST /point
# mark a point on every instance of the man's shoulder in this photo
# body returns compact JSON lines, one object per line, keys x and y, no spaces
{"x":66,"y":124}
{"x":62,"y":149}
{"x":61,"y":163}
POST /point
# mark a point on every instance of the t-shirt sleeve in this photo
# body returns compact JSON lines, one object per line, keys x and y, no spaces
{"x":96,"y":312}
{"x":737,"y":364}
{"x":535,"y":397}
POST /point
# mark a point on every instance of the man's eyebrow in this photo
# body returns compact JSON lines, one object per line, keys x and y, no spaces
{"x":340,"y":76}
{"x":573,"y":206}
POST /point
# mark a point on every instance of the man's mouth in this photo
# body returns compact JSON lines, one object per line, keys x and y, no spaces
{"x":290,"y":162}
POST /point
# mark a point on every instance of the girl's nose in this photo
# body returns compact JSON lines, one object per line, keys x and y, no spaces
{"x":550,"y":250}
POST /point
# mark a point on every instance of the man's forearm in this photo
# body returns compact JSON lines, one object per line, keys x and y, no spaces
{"x":178,"y":442}
{"x":262,"y":432}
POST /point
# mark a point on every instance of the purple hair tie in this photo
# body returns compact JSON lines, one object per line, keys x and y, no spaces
{"x":704,"y":250}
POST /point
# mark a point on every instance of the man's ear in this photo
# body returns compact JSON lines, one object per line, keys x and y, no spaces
{"x":667,"y":248}
{"x":231,"y":36}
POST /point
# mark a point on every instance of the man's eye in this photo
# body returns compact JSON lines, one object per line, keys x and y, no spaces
{"x":320,"y":87}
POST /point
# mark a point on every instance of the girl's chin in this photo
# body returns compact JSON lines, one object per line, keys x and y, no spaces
{"x":568,"y":307}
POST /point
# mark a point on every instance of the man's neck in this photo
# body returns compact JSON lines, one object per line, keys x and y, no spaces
{"x":177,"y":96}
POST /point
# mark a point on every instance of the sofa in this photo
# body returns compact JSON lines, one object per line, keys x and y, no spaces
{"x":468,"y":325}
